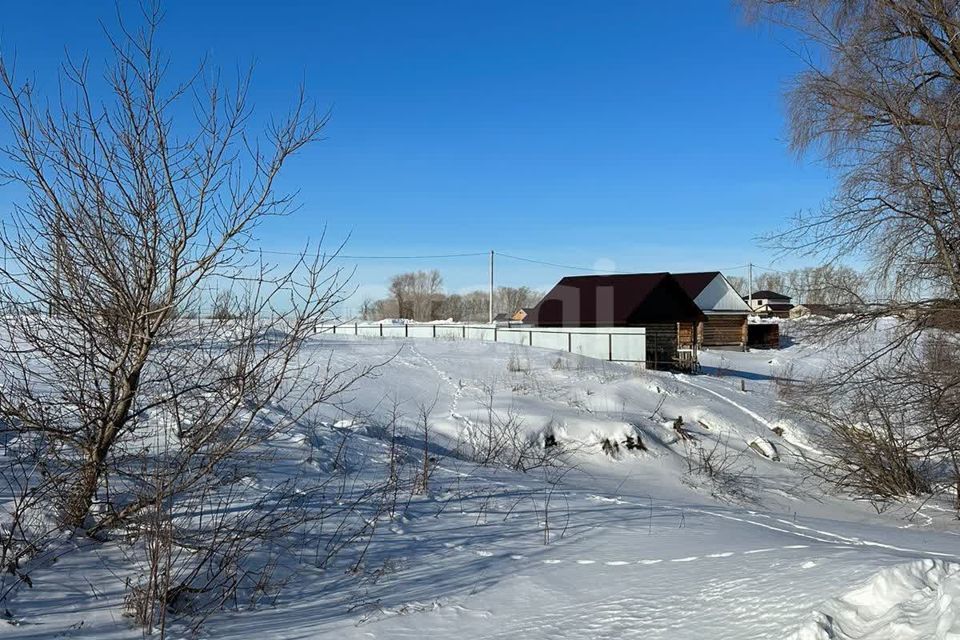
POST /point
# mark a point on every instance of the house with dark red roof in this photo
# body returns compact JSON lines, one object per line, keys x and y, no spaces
{"x":655,"y":301}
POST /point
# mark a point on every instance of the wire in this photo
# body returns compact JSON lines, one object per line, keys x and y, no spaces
{"x":341,"y":256}
{"x":473,"y":254}
{"x":760,"y":266}
{"x":559,"y":266}
{"x":742,"y":266}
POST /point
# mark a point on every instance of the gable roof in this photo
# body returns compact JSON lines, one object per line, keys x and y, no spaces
{"x":694,"y":283}
{"x":769,"y":295}
{"x":712,"y":292}
{"x":615,"y":300}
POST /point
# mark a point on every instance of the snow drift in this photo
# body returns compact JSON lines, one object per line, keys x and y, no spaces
{"x":913,"y":601}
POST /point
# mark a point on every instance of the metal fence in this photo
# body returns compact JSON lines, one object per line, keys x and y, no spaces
{"x":617,"y":344}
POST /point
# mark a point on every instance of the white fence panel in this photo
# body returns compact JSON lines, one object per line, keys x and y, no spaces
{"x":514,"y":336}
{"x":449,"y":331}
{"x":367,"y":330}
{"x":550,"y":340}
{"x":481,"y":333}
{"x":626,"y":348}
{"x":420,"y":330}
{"x":592,"y":345}
{"x":625,"y":344}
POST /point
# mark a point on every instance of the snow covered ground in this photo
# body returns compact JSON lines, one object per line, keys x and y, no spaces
{"x":626,"y":543}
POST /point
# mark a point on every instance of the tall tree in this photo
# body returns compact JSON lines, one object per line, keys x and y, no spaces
{"x":878,"y":102}
{"x":417,"y":294}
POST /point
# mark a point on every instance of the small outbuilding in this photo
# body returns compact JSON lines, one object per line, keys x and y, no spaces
{"x":822,"y":310}
{"x":655,"y":301}
{"x":520,"y":315}
{"x":725,"y":321}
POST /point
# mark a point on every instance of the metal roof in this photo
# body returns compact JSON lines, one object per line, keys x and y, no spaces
{"x":769,"y":295}
{"x":615,"y":300}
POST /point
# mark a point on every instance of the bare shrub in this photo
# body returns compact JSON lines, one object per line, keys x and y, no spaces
{"x":142,"y":426}
{"x":516,"y":364}
{"x":429,"y":461}
{"x":499,"y":438}
{"x":882,"y":430}
{"x":720,"y":465}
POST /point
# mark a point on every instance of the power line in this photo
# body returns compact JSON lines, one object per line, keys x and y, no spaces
{"x":771,"y":269}
{"x":471,"y":254}
{"x":342,"y":256}
{"x":559,"y":266}
{"x":737,"y":268}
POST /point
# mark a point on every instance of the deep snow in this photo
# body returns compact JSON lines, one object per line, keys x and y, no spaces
{"x":639,"y":546}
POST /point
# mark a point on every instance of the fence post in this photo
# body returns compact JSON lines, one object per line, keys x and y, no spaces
{"x":494,"y":333}
{"x":381,"y":329}
{"x":610,"y":347}
{"x":406,"y":330}
{"x":464,"y":332}
{"x":569,"y":342}
{"x":531,"y":338}
{"x":434,"y":332}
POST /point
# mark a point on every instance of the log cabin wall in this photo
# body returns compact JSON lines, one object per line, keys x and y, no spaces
{"x":661,"y":344}
{"x":724,"y":331}
{"x":686,"y":334}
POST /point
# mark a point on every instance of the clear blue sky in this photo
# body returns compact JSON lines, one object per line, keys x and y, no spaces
{"x":635,"y":135}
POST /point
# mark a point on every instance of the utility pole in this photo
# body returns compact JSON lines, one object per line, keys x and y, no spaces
{"x":490,"y":314}
{"x":750,"y":285}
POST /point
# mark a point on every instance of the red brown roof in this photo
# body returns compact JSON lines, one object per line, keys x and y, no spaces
{"x":694,"y":283}
{"x":615,"y":301}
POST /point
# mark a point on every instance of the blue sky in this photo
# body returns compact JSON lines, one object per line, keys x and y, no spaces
{"x":640,"y":136}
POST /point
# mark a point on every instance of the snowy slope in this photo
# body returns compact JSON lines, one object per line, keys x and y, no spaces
{"x":638,"y":544}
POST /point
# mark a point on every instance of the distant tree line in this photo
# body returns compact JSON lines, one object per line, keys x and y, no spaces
{"x":419,"y":296}
{"x":826,"y":284}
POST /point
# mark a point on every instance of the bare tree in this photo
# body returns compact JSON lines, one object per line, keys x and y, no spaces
{"x":509,"y":299}
{"x":770,"y":281}
{"x":830,"y":284}
{"x":418,"y":294}
{"x":739,"y":284}
{"x":878,"y":102}
{"x":134,"y":419}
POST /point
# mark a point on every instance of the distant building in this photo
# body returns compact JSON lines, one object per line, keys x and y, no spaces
{"x":520,"y":315}
{"x":769,"y":304}
{"x":725,"y":324}
{"x":823,"y":310}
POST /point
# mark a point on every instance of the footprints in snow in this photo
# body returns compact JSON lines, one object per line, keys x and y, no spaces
{"x":458,"y":387}
{"x":623,"y":563}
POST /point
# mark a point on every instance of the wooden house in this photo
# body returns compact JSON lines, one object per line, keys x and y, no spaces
{"x":654,"y":301}
{"x":725,"y":321}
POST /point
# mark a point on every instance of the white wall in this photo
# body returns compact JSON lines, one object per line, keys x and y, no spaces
{"x":621,"y":344}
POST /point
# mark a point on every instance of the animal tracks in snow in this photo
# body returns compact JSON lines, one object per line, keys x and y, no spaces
{"x":458,"y":387}
{"x":652,"y":561}
{"x":781,"y":525}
